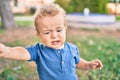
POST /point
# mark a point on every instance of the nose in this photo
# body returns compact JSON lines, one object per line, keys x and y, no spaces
{"x":54,"y":35}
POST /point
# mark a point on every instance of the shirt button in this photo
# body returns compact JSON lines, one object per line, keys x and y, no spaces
{"x":62,"y":62}
{"x":58,"y":51}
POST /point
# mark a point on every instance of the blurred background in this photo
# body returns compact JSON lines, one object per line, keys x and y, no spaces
{"x":94,"y":26}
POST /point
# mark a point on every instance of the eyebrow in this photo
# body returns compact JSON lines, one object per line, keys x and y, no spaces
{"x":47,"y":29}
{"x":60,"y":26}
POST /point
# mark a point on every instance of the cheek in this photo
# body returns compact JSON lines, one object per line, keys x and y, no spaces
{"x":63,"y":35}
{"x":45,"y":38}
{"x":42,"y":38}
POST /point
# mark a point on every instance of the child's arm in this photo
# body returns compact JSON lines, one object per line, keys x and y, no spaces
{"x":95,"y":64}
{"x":16,"y":53}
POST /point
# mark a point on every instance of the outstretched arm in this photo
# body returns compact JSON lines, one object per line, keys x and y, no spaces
{"x":16,"y":53}
{"x":86,"y":65}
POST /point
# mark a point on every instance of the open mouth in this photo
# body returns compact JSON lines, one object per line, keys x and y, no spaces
{"x":55,"y":42}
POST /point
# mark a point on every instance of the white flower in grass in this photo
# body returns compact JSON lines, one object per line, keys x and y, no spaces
{"x":91,"y":42}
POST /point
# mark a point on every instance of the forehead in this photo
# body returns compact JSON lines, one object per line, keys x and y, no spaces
{"x":51,"y":21}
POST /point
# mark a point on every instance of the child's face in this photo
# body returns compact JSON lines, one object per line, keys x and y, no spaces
{"x":52,"y":31}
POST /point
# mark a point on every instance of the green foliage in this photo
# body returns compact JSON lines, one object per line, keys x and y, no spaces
{"x":7,"y":74}
{"x":10,"y":77}
{"x":63,"y":3}
{"x":32,"y":10}
{"x":95,"y":6}
{"x":118,"y":18}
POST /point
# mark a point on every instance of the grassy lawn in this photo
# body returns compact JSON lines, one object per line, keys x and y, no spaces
{"x":104,"y":48}
{"x":23,"y":23}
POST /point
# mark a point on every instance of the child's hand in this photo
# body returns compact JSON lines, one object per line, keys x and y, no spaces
{"x":3,"y":49}
{"x":96,"y":64}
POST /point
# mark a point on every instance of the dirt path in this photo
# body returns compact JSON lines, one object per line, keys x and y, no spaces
{"x":19,"y":34}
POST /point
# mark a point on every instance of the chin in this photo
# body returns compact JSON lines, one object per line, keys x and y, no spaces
{"x":55,"y":46}
{"x":58,"y":47}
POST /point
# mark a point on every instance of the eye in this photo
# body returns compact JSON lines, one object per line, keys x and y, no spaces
{"x":47,"y":33}
{"x":59,"y":30}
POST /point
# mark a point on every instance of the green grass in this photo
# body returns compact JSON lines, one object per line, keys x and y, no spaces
{"x":2,"y":31}
{"x":104,"y":48}
{"x":23,"y":14}
{"x":88,"y":29}
{"x":118,"y":18}
{"x":25,"y":23}
{"x":22,"y":24}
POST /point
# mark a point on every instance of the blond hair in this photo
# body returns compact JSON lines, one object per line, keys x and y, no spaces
{"x":47,"y":10}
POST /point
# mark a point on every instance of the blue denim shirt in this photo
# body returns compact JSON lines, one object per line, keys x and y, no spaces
{"x":55,"y":64}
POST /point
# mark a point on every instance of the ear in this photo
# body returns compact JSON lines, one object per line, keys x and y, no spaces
{"x":38,"y":35}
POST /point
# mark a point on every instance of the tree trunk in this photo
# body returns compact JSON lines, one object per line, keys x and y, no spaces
{"x":6,"y":14}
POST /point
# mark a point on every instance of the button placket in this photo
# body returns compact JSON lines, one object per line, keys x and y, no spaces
{"x":62,"y":61}
{"x":60,"y":53}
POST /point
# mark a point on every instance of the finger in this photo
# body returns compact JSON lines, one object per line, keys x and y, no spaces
{"x":99,"y":64}
{"x":100,"y":68}
{"x":93,"y":65}
{"x":96,"y":64}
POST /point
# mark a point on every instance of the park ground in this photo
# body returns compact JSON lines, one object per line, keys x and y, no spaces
{"x":27,"y":36}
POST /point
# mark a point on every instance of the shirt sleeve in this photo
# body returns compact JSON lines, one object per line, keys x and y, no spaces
{"x":77,"y":56}
{"x":33,"y":50}
{"x":75,"y":52}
